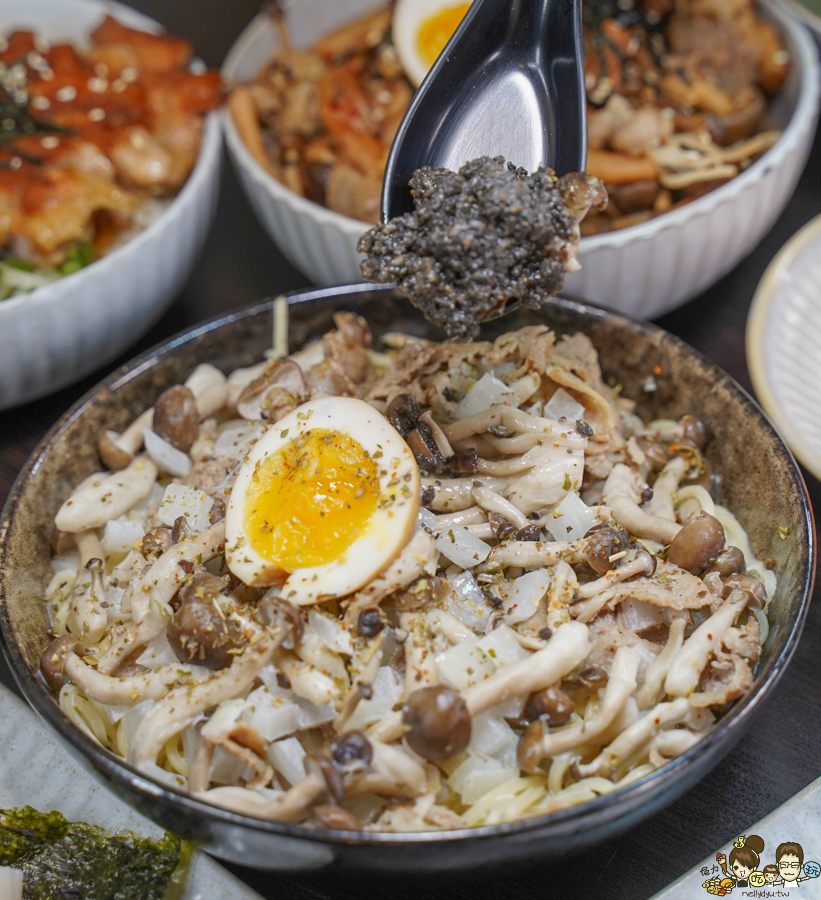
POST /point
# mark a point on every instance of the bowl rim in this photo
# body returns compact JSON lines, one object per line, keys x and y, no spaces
{"x":631,"y":796}
{"x":776,"y":273}
{"x":804,"y":114}
{"x":205,"y":167}
{"x":808,"y":16}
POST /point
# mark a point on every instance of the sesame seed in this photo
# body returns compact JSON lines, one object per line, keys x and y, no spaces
{"x":137,"y":140}
{"x":97,"y":85}
{"x":101,"y":69}
{"x":16,"y":162}
{"x":66,"y":94}
{"x":118,"y":86}
{"x":96,"y":114}
{"x":47,"y":74}
{"x":35,"y":60}
{"x":41,"y":44}
{"x":50,"y":142}
{"x":129,"y":73}
{"x":41,"y":103}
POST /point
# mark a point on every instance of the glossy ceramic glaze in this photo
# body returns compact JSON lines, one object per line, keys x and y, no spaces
{"x":761,"y":483}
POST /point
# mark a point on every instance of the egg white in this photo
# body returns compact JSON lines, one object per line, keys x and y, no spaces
{"x":408,"y":17}
{"x":384,"y":536}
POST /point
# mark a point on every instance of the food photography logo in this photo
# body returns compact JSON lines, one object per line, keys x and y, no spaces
{"x":749,"y":870}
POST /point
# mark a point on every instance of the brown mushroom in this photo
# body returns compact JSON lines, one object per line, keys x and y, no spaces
{"x":403,"y":413}
{"x":529,"y":751}
{"x":155,"y":542}
{"x":275,"y":393}
{"x":585,"y":683}
{"x":113,"y":455}
{"x":550,"y":704}
{"x":752,"y":587}
{"x":602,"y":545}
{"x":729,"y":562}
{"x":316,"y":764}
{"x":198,"y":632}
{"x":699,"y":541}
{"x":352,"y":750}
{"x":437,"y":721}
{"x":370,"y":622}
{"x":53,"y":659}
{"x":176,"y":419}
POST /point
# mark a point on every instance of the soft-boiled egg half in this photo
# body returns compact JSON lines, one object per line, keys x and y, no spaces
{"x":325,"y":500}
{"x":421,"y":28}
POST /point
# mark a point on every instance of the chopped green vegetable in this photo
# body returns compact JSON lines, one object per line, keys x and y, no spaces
{"x":78,"y":257}
{"x":62,"y":859}
{"x":19,"y":276}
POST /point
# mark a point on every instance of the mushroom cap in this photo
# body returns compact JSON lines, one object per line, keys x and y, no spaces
{"x":438,"y":722}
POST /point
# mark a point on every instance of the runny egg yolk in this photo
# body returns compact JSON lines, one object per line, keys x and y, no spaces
{"x":308,"y":502}
{"x":436,"y":31}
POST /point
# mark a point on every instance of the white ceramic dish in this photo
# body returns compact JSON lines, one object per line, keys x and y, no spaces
{"x":63,"y":331}
{"x":784,"y":343}
{"x":28,"y":749}
{"x":642,"y":271}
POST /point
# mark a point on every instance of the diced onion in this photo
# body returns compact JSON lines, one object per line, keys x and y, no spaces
{"x":331,"y":632}
{"x":120,"y":534}
{"x":523,"y":595}
{"x":462,"y":547}
{"x":486,"y":392}
{"x":181,"y":500}
{"x":288,"y":758}
{"x":562,"y":406}
{"x":572,"y":519}
{"x":234,"y":443}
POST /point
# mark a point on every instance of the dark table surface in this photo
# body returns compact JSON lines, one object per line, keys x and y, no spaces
{"x":775,"y":760}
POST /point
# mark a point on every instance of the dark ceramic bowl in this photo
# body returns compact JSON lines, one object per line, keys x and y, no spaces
{"x":761,"y":484}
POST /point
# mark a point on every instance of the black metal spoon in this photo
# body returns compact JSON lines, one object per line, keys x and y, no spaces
{"x":510,"y":82}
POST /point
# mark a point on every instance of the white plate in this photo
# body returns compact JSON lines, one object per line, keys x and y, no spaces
{"x":37,"y":770}
{"x":784,"y":343}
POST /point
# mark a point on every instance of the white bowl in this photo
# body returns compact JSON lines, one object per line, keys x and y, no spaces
{"x":642,"y":271}
{"x":63,"y":331}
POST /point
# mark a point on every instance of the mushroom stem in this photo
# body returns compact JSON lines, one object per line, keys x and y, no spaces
{"x":88,"y":546}
{"x":88,"y":597}
{"x":120,"y":691}
{"x":620,"y":492}
{"x":490,"y":501}
{"x":661,"y":504}
{"x":664,"y":715}
{"x":620,"y":686}
{"x":641,"y":565}
{"x":529,"y":554}
{"x":567,"y":647}
{"x":649,"y":692}
{"x":306,"y":680}
{"x":181,"y":706}
{"x":689,"y":662}
{"x":292,"y":806}
{"x":107,"y":497}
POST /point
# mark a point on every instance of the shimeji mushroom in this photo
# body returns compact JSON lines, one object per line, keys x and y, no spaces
{"x":184,"y":703}
{"x":632,"y":739}
{"x":656,"y":672}
{"x":567,"y":647}
{"x":689,"y":662}
{"x":278,"y":389}
{"x":210,"y":391}
{"x":620,"y":685}
{"x":107,"y":496}
{"x":621,"y":490}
